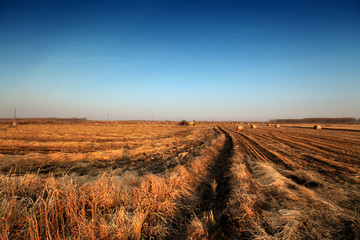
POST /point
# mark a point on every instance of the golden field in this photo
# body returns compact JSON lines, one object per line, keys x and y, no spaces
{"x":158,"y":180}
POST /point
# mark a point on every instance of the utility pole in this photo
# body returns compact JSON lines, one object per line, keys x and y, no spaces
{"x":14,"y":122}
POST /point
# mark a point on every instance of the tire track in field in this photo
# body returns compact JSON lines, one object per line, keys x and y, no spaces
{"x":325,"y":157}
{"x":248,"y":147}
{"x":208,"y":207}
{"x":305,"y":155}
{"x":327,"y":146}
{"x":213,"y":195}
{"x":278,"y":146}
{"x":287,"y":150}
{"x":345,"y":146}
{"x":292,"y":151}
{"x":333,"y":174}
{"x":294,"y":187}
{"x":216,"y":201}
{"x":304,"y":160}
{"x":281,"y":163}
{"x":259,"y":151}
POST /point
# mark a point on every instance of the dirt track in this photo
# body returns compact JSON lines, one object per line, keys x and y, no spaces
{"x":215,"y":191}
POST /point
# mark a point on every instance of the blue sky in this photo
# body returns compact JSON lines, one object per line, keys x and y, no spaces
{"x":172,"y":60}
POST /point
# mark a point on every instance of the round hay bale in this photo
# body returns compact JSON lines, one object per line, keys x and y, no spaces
{"x":240,"y":128}
{"x":317,"y":127}
{"x":253,"y":126}
{"x":268,"y":124}
{"x":277,"y":125}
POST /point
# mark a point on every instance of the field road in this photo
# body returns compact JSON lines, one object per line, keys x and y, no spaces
{"x":215,"y":192}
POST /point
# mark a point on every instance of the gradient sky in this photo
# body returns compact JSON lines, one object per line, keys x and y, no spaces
{"x":172,"y":60}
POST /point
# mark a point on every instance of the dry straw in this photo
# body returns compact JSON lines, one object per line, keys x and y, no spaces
{"x":317,"y":127}
{"x":240,"y":128}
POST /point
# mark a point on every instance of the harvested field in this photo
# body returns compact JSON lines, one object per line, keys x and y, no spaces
{"x":163,"y":181}
{"x":296,"y":184}
{"x":346,"y":127}
{"x":84,"y":149}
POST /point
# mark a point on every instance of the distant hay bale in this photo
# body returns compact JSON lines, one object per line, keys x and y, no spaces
{"x":318,"y":127}
{"x":253,"y":126}
{"x":268,"y":124}
{"x":240,"y":128}
{"x":14,"y":123}
{"x":277,"y":125}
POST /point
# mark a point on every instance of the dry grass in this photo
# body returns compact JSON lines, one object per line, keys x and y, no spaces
{"x":295,"y":184}
{"x":91,"y":149}
{"x":267,"y":205}
{"x":110,"y":207}
{"x":126,"y":207}
{"x":244,"y":201}
{"x":154,"y":181}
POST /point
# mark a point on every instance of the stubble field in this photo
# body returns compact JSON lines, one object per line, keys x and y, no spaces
{"x":143,"y":180}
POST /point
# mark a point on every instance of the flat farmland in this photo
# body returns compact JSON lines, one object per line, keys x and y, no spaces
{"x":141,"y":180}
{"x":308,"y":181}
{"x":85,"y":149}
{"x":346,"y":127}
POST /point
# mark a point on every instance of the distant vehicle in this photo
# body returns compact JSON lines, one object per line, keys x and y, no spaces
{"x":183,"y":123}
{"x":186,"y":123}
{"x":192,"y":123}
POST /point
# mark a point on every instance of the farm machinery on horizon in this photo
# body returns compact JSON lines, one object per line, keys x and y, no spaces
{"x":186,"y":123}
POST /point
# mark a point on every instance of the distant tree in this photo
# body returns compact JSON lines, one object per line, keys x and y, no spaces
{"x":345,"y":120}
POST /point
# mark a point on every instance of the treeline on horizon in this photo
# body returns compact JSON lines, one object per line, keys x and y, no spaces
{"x":51,"y":119}
{"x":345,"y":120}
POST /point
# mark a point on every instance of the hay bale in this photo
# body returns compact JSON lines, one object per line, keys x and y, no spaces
{"x":317,"y":127}
{"x":240,"y":128}
{"x":277,"y":125}
{"x":253,"y":126}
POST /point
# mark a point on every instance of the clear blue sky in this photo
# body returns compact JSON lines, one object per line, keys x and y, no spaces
{"x":221,"y":60}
